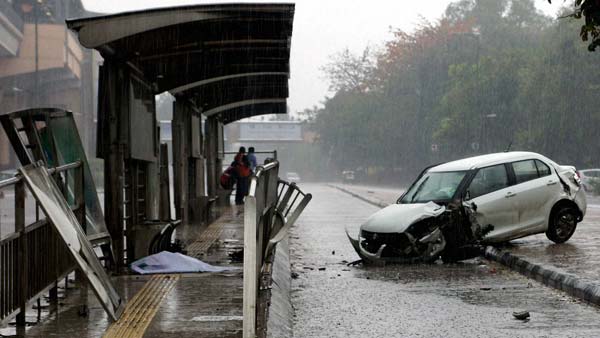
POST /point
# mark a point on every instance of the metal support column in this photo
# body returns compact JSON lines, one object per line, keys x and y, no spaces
{"x":79,"y":194}
{"x":179,"y":128}
{"x":113,"y":94}
{"x":23,"y":266}
{"x":165,"y":189}
{"x":212,"y":154}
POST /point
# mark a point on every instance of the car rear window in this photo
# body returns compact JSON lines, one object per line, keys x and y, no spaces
{"x":525,"y":171}
{"x":543,"y":169}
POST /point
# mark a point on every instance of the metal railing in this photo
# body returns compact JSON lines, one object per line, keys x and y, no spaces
{"x":9,"y":12}
{"x":34,"y":258}
{"x":273,"y":153}
{"x":270,"y":209}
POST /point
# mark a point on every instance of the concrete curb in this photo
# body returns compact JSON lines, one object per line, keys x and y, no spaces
{"x":360,"y":197}
{"x":280,"y":313}
{"x":547,"y":275}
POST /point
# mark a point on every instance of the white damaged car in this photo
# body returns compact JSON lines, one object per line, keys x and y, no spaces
{"x":484,"y":199}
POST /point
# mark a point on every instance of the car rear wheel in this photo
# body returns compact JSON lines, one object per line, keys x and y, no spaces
{"x":563,"y":222}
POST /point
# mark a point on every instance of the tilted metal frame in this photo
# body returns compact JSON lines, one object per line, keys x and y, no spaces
{"x":270,"y":209}
{"x":34,"y":258}
{"x":291,"y":203}
{"x":30,"y":149}
{"x":69,"y":226}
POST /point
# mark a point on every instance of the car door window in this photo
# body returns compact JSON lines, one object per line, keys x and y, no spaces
{"x":543,"y":169}
{"x":525,"y":171}
{"x":488,"y":180}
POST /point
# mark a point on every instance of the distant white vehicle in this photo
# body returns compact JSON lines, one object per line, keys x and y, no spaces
{"x":517,"y":193}
{"x":348,"y":175}
{"x":588,"y":176}
{"x":292,"y":177}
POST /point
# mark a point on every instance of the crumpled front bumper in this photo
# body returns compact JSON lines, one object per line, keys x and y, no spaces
{"x":434,"y":241}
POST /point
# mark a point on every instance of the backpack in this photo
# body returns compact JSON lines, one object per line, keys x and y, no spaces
{"x":228,"y":178}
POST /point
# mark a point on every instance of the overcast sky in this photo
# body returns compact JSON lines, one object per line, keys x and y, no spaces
{"x":324,"y":27}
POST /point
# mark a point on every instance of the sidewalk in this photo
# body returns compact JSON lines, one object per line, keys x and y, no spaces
{"x":187,"y":305}
{"x":578,"y":256}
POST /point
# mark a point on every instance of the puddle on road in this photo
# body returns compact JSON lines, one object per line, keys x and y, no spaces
{"x":432,"y":300}
{"x":474,"y":282}
{"x":217,"y":318}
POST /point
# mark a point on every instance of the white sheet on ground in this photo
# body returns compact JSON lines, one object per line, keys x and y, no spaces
{"x":170,"y":262}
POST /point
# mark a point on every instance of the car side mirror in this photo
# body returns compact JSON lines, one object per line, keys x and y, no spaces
{"x":467,"y":195}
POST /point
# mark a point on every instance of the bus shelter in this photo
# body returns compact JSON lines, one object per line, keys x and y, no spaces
{"x":222,"y":63}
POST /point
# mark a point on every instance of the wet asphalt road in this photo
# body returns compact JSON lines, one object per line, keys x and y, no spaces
{"x":472,"y":299}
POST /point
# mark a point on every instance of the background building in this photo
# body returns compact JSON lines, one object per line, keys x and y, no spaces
{"x":42,"y":64}
{"x":293,"y":141}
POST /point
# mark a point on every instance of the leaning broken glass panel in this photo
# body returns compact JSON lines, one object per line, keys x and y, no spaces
{"x":69,"y":149}
{"x":58,"y":211}
{"x":56,"y":132}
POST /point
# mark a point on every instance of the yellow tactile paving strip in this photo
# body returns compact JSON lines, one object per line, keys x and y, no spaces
{"x":205,"y":240}
{"x":142,"y":307}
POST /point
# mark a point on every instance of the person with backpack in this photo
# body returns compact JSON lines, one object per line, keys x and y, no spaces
{"x":243,"y":172}
{"x":229,"y":176}
{"x":241,"y":153}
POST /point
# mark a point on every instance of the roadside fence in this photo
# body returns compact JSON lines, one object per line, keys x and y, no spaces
{"x":271,"y":208}
{"x":34,"y":258}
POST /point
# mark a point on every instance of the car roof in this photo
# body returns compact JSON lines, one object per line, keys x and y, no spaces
{"x":487,"y":160}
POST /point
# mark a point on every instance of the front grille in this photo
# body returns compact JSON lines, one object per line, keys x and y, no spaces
{"x":395,"y":242}
{"x":383,"y":238}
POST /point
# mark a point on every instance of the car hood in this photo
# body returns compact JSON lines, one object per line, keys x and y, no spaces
{"x":398,"y":217}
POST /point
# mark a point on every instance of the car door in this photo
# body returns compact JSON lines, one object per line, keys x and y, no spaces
{"x":491,"y":192}
{"x":535,"y":190}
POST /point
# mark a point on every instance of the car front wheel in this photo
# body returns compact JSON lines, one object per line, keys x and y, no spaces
{"x":563,"y":222}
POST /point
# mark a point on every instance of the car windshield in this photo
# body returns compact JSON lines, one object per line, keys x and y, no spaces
{"x":434,"y":186}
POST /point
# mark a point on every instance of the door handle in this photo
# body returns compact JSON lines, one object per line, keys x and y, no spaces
{"x":510,"y":194}
{"x":551,"y":182}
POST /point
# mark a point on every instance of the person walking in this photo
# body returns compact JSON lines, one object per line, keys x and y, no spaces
{"x":252,"y":158}
{"x":241,"y":152}
{"x":244,"y":172}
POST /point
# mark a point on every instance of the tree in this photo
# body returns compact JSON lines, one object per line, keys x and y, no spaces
{"x":485,"y":75}
{"x":349,"y":72}
{"x":590,"y":10}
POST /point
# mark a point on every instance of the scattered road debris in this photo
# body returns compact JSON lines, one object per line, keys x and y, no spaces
{"x":521,"y":315}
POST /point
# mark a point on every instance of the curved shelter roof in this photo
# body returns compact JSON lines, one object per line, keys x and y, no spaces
{"x":231,"y":60}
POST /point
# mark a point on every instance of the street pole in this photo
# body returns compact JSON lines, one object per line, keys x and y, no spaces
{"x":37,"y":56}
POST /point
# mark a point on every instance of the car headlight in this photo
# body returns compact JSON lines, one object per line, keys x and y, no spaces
{"x":577,"y":179}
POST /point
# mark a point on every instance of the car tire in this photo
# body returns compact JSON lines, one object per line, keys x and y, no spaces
{"x":563,"y":222}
